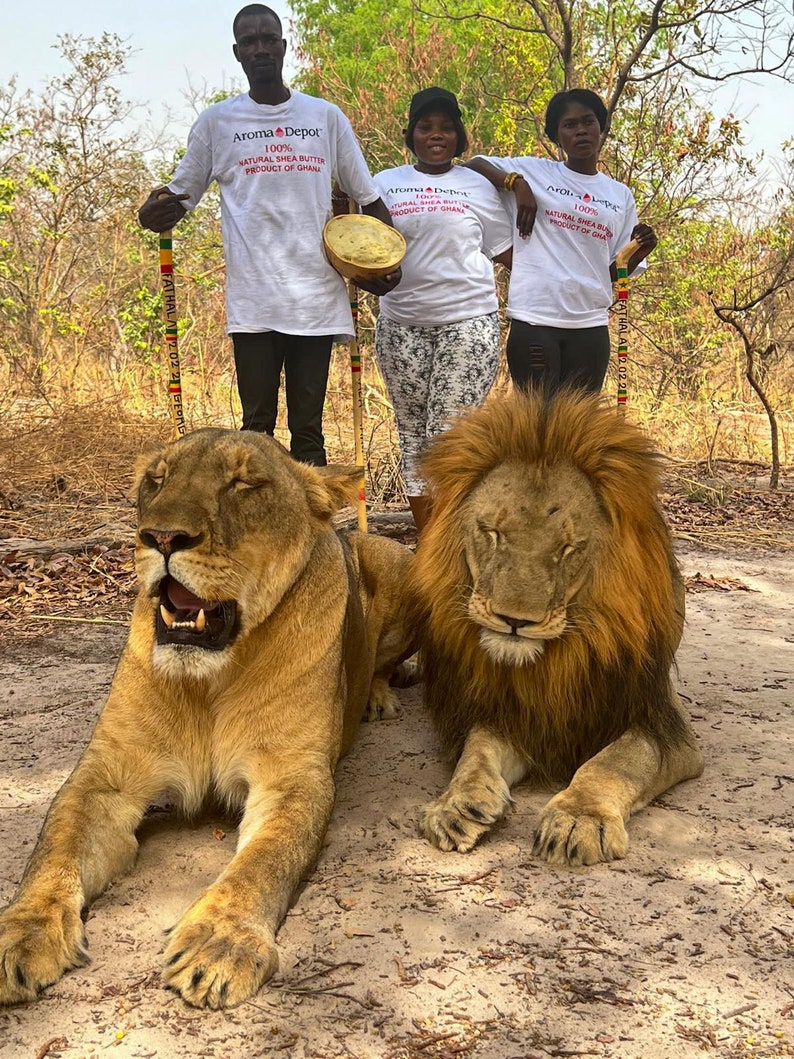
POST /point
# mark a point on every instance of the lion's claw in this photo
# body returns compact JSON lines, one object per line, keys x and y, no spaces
{"x":463,"y":814}
{"x":36,"y":948}
{"x":218,"y":964}
{"x":564,"y":836}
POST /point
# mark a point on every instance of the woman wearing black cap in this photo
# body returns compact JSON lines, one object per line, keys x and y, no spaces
{"x":579,"y":218}
{"x":437,"y":336}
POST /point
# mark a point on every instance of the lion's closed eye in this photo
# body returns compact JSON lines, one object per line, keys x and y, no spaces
{"x":156,"y":474}
{"x":248,"y":482}
{"x":489,"y":532}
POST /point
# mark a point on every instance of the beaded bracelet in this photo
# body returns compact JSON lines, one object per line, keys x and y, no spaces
{"x":509,"y":180}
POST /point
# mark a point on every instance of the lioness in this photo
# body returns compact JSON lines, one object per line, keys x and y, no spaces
{"x":258,"y":637}
{"x":549,"y":608}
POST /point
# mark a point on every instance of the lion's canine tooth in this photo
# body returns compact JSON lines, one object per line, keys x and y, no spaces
{"x":201,"y":621}
{"x":166,"y":615}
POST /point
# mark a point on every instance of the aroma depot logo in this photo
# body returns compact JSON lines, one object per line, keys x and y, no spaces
{"x":294,"y":132}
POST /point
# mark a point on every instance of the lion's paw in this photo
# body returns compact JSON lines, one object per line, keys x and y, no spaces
{"x":217,"y":960}
{"x":39,"y":942}
{"x":407,"y":673}
{"x":383,"y":703}
{"x":464,"y":813}
{"x":574,"y":835}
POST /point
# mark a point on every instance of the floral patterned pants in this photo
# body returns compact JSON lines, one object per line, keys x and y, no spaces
{"x":431,"y":374}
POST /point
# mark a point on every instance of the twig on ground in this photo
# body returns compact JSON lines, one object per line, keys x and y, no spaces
{"x":61,"y":1042}
{"x":739,"y":1011}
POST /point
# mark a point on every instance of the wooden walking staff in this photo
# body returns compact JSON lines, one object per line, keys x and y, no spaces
{"x":358,"y":401}
{"x":170,"y":333}
{"x":622,"y":283}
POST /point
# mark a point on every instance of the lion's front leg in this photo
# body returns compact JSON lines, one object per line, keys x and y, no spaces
{"x":586,"y":823}
{"x":383,"y":567}
{"x":223,"y":948}
{"x":478,"y":794}
{"x":87,"y":840}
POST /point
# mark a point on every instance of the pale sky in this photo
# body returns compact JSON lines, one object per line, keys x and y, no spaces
{"x":178,"y":44}
{"x":174,"y":45}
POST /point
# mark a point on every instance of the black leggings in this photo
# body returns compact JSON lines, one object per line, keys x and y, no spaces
{"x":259,"y":359}
{"x":555,"y":357}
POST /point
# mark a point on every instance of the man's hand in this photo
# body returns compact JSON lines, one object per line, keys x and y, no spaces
{"x":162,"y":210}
{"x":382,"y":285}
{"x":646,"y":237}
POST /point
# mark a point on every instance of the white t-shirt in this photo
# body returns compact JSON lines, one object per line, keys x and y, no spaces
{"x":453,"y":224}
{"x":274,"y":166}
{"x":560,"y":274}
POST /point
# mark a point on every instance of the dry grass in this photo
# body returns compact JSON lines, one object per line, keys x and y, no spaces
{"x":70,"y":474}
{"x":66,"y":479}
{"x":66,"y":470}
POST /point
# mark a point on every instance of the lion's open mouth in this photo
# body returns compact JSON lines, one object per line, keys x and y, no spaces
{"x":184,"y":618}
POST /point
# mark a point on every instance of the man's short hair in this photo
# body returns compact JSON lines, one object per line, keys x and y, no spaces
{"x":255,"y":9}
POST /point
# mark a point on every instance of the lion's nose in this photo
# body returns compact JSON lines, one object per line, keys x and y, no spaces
{"x":169,"y":541}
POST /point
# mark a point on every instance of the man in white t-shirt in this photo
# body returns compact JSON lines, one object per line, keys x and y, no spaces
{"x":274,"y":153}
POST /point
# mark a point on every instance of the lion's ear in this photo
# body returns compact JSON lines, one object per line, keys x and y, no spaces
{"x":330,"y":488}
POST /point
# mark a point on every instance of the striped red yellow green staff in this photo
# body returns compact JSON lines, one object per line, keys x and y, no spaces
{"x":358,"y":400}
{"x":358,"y":410}
{"x":170,"y":333}
{"x":622,"y":308}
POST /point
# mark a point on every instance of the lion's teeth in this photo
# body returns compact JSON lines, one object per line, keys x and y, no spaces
{"x":199,"y":623}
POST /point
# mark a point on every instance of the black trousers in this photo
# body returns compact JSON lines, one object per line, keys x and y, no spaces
{"x":305,"y":359}
{"x":557,"y":357}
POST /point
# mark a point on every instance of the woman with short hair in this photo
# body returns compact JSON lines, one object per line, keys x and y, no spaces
{"x":437,"y":336}
{"x":570,"y":222}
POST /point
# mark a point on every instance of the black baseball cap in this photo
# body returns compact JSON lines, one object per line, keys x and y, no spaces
{"x":433,"y":97}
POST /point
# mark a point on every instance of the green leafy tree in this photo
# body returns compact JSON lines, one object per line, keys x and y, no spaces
{"x":653,"y":62}
{"x":69,"y":176}
{"x":371,"y":57}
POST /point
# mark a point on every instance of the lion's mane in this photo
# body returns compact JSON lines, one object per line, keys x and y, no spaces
{"x":610,"y":668}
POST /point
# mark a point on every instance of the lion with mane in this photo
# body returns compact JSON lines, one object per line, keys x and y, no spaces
{"x":259,"y":638}
{"x":549,"y":607}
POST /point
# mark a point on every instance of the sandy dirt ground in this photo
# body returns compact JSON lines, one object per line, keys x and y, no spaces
{"x":399,"y":951}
